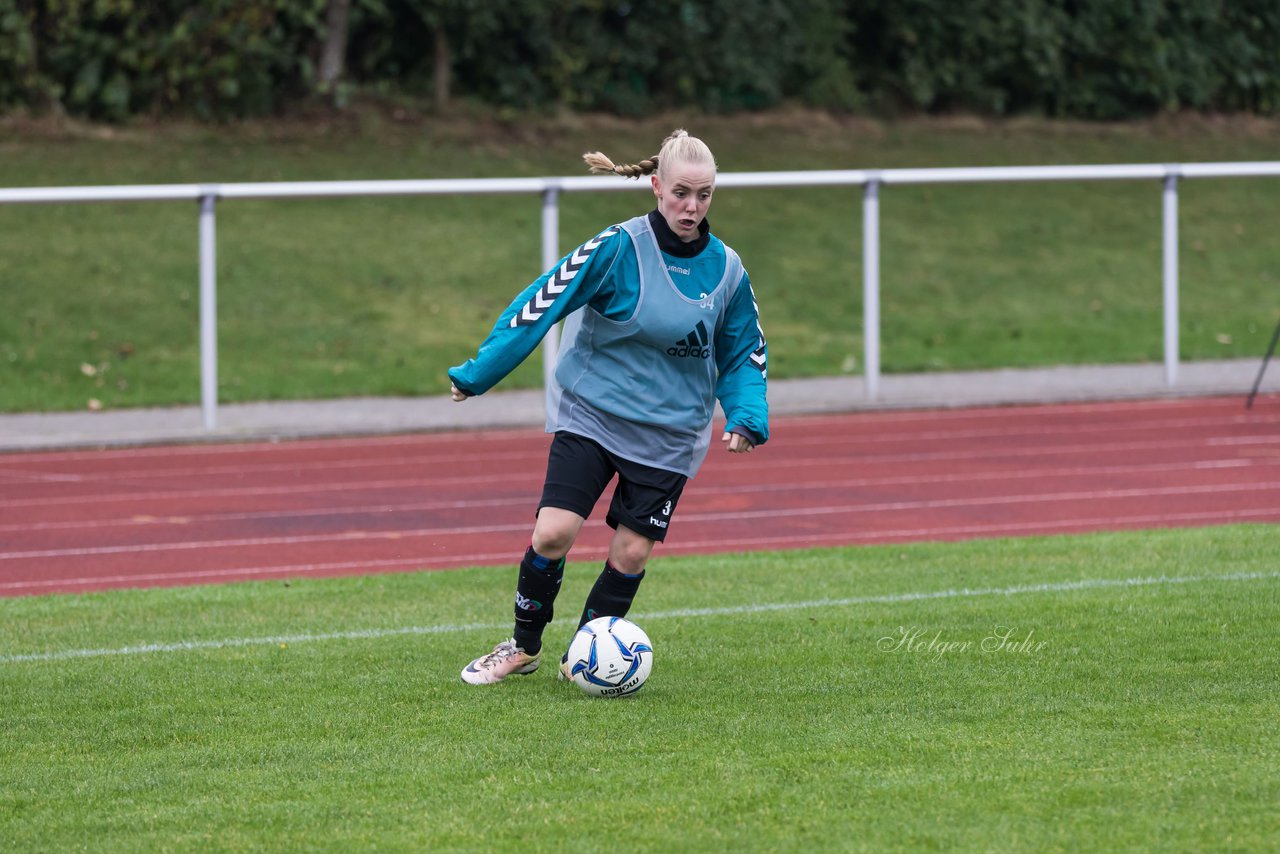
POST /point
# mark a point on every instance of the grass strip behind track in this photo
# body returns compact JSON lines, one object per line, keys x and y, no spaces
{"x":356,"y":297}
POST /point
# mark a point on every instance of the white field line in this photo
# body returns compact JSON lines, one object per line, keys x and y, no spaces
{"x":680,"y":613}
{"x":178,"y":518}
{"x":351,"y":567}
{"x":993,"y":529}
{"x":1244,"y":440}
{"x":449,"y":457}
{"x":762,"y":464}
{"x":1229,"y":406}
{"x":291,"y":489}
{"x":586,"y":552}
{"x":275,"y":447}
{"x":1039,"y":431}
{"x":731,"y":515}
{"x":446,"y":459}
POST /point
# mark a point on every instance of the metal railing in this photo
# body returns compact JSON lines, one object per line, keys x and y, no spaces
{"x":549,"y":189}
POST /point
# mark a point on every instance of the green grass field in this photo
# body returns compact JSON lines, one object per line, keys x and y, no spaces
{"x":1132,"y":707}
{"x":378,"y":297}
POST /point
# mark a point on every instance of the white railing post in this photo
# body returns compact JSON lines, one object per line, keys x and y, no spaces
{"x":1170,"y":234}
{"x":550,"y":255}
{"x":871,"y":286}
{"x":208,"y":312}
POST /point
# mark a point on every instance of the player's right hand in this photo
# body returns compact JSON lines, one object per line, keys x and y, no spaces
{"x":457,"y":396}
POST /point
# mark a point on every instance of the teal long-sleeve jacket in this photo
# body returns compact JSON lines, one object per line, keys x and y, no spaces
{"x":602,"y":276}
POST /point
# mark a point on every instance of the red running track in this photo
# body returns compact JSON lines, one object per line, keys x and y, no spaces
{"x":85,"y":520}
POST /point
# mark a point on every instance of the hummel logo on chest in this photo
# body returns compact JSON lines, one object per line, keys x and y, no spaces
{"x":694,"y":345}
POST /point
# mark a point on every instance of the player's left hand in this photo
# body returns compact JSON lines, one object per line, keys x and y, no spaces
{"x":738,"y":444}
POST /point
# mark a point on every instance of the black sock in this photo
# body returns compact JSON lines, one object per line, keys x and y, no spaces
{"x":536,"y":591}
{"x":612,"y":594}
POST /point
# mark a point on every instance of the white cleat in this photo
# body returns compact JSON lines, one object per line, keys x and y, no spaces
{"x":506,"y":659}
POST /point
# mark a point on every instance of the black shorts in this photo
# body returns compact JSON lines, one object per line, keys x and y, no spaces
{"x":579,"y":469}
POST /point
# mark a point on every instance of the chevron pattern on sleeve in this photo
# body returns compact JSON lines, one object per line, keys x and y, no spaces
{"x":546,"y":295}
{"x":759,"y":355}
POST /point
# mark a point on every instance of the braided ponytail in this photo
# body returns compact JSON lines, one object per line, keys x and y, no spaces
{"x":602,"y":165}
{"x":677,"y":148}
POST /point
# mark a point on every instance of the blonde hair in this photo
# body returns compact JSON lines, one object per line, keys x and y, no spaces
{"x":679,"y":147}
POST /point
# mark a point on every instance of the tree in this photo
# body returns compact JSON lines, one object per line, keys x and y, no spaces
{"x":333,"y":52}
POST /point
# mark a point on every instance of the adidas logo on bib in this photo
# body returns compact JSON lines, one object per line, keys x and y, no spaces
{"x":694,"y":345}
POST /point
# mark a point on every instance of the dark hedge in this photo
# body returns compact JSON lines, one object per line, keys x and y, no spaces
{"x":1096,"y":59}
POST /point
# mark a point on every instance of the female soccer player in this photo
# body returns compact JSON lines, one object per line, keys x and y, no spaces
{"x":661,"y":322}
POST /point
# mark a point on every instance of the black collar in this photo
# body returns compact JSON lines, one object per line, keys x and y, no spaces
{"x":672,"y":245}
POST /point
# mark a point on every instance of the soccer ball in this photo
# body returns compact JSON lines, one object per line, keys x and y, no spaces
{"x":609,"y":657}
